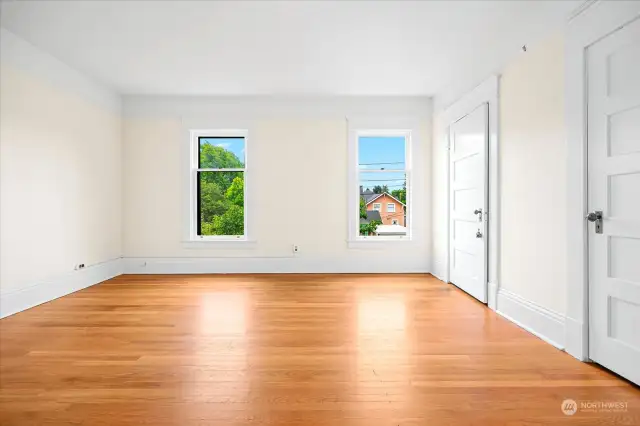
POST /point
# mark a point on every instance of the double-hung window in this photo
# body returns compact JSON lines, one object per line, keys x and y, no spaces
{"x":217,"y":183}
{"x":382,"y":177}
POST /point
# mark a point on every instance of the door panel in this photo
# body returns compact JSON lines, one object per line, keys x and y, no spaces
{"x":468,"y":193}
{"x":614,"y":188}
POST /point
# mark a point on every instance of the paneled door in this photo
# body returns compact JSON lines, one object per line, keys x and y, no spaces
{"x":468,"y":200}
{"x":614,"y":200}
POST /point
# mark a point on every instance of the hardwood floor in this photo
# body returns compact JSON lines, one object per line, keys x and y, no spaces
{"x":288,"y":350}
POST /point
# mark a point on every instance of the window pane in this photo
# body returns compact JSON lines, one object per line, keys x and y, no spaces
{"x":381,"y":152}
{"x":221,"y":153}
{"x":220,"y":203}
{"x":383,"y":198}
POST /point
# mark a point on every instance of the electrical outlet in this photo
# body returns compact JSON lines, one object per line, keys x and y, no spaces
{"x":79,"y":266}
{"x":295,"y":248}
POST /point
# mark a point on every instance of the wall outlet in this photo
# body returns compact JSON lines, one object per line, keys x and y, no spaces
{"x":79,"y":266}
{"x":295,"y":248}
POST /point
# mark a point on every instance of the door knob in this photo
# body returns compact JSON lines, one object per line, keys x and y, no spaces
{"x":596,"y":216}
{"x":478,"y":234}
{"x":479,"y":213}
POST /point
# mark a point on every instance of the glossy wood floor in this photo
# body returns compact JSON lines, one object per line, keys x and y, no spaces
{"x":288,"y":350}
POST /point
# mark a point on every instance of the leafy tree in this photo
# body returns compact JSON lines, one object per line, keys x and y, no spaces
{"x":363,"y":208}
{"x":235,"y":192}
{"x":216,"y":157}
{"x":212,"y":201}
{"x":369,"y":228}
{"x":231,"y":222}
{"x":400,"y":194}
{"x":377,"y":189}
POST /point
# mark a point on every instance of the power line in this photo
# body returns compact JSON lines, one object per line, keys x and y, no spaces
{"x":373,"y":164}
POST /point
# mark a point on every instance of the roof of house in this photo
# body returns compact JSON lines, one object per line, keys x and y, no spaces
{"x":369,"y":196}
{"x":371,"y":215}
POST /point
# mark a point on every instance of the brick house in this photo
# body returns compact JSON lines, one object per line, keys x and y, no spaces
{"x":391,"y":209}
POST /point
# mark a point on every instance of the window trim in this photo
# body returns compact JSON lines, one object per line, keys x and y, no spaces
{"x":379,"y":207}
{"x":354,"y":238}
{"x":393,"y":210}
{"x":194,"y":156}
{"x":397,"y":222}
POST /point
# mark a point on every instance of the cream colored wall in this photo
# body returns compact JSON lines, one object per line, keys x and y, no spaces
{"x":60,"y":168}
{"x":297,"y":150}
{"x":533,"y":150}
{"x":532,"y":178}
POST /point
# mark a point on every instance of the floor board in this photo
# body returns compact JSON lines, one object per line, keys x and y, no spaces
{"x":306,"y":350}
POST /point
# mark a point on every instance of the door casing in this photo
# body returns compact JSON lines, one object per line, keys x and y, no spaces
{"x":486,"y":92}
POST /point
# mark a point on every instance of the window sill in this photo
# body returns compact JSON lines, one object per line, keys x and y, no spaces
{"x":208,"y":244}
{"x":378,"y":242}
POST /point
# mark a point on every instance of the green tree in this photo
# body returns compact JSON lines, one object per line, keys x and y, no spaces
{"x":235,"y":192}
{"x":369,"y":228}
{"x":229,"y":223}
{"x":216,"y":157}
{"x":363,"y":208}
{"x":212,"y":201}
{"x":377,"y":189}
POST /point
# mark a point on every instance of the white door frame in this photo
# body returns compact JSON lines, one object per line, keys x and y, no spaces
{"x":487,"y":92}
{"x":591,"y":25}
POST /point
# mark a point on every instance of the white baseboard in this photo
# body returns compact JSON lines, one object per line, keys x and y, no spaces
{"x":542,"y":322}
{"x":577,"y":339}
{"x":262,"y":265}
{"x":492,"y":299}
{"x":53,"y":288}
{"x":439,"y":270}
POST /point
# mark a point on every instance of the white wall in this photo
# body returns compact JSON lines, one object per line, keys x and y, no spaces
{"x":60,"y":170}
{"x":297,"y":191}
{"x":532,"y":177}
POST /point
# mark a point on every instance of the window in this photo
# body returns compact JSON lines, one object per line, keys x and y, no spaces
{"x":382,"y":166}
{"x":218,"y":167}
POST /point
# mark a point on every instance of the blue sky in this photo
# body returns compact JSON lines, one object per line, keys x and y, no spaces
{"x":381,"y":152}
{"x":235,"y":145}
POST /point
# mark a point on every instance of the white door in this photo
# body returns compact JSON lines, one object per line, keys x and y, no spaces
{"x":468,"y":182}
{"x":614,"y":188}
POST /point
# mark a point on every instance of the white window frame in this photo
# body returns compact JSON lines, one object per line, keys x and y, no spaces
{"x":395,"y":222}
{"x":194,"y":153}
{"x":354,"y":237}
{"x":379,"y":207}
{"x":393,"y":207}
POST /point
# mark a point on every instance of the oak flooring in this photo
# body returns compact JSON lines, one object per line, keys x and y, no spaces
{"x":311,"y":350}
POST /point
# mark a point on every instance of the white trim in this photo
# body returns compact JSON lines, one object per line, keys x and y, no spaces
{"x":49,"y":289}
{"x":391,"y":205}
{"x":538,"y":320}
{"x":592,"y":24}
{"x":487,"y":92}
{"x":397,"y":222}
{"x":263,"y":265}
{"x":379,"y":207}
{"x":194,"y":153}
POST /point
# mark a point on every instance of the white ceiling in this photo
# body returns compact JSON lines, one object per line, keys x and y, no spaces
{"x":285,"y":47}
